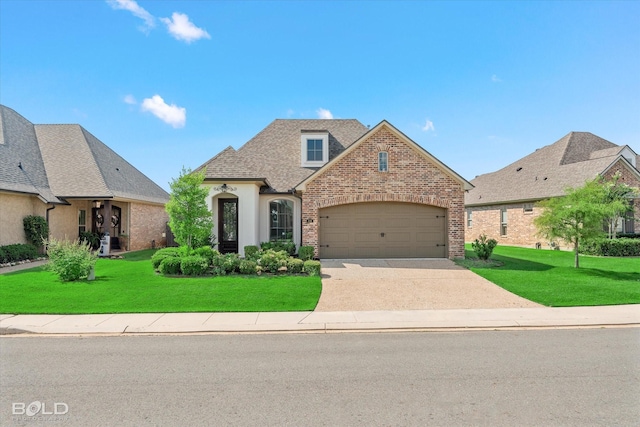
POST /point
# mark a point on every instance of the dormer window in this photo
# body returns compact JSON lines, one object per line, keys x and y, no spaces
{"x":314,"y":148}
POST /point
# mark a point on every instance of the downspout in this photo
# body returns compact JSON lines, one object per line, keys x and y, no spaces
{"x":47,"y":214}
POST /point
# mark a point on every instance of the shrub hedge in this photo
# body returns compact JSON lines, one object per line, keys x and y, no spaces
{"x":305,"y":253}
{"x":281,"y":245}
{"x":17,"y":252}
{"x":312,"y":267}
{"x":612,"y":247}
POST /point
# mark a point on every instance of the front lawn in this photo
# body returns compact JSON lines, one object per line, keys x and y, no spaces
{"x":130,"y":285}
{"x":549,"y":278}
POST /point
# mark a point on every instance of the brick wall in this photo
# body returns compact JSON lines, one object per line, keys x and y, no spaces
{"x":628,"y":177}
{"x":487,"y":220}
{"x":411,"y":178}
{"x":147,"y":223}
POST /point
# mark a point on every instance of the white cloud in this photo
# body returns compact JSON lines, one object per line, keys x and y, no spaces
{"x":324,"y":114}
{"x":129,"y":99}
{"x":495,"y":79}
{"x":181,"y":28}
{"x":428,"y":126}
{"x":136,"y":9}
{"x":170,"y":114}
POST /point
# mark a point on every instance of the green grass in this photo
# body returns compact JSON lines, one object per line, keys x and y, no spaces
{"x":549,"y":278}
{"x":131,"y":286}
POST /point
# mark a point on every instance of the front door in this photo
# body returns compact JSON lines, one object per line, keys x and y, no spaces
{"x":228,"y":225}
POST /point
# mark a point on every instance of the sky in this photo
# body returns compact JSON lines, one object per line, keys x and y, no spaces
{"x":169,"y":84}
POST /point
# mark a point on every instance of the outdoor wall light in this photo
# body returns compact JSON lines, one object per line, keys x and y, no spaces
{"x":97,"y":204}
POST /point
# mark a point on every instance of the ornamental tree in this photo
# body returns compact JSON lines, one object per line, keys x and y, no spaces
{"x":577,"y":216}
{"x":189,"y":218}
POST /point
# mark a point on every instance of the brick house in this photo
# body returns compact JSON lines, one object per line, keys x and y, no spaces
{"x":68,"y":176}
{"x":503,"y":203}
{"x":346,"y":190}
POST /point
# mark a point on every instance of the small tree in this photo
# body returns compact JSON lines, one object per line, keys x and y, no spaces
{"x":189,"y":218}
{"x":484,"y":247}
{"x":577,"y":216}
{"x":618,"y":196}
{"x":36,"y":229}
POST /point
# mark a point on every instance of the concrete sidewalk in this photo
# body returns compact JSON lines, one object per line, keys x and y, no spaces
{"x":307,"y":321}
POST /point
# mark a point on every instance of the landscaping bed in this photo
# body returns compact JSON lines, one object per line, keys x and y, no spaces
{"x":131,"y":285}
{"x":549,"y":277}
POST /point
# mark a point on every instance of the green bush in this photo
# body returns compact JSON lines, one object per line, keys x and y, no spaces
{"x":295,"y":265}
{"x":312,"y":267}
{"x":36,"y":229}
{"x":271,"y":260}
{"x":611,"y":247}
{"x":70,"y":260}
{"x":305,"y":253}
{"x":281,"y":245}
{"x":248,"y":266}
{"x":17,"y":252}
{"x":483,"y":247}
{"x":156,"y":258}
{"x":170,"y":265}
{"x":93,"y":239}
{"x":207,"y":252}
{"x":194,"y":265}
{"x":225,"y":264}
{"x":251,"y":252}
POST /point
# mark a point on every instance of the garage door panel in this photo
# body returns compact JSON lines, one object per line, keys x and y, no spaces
{"x":382,"y":230}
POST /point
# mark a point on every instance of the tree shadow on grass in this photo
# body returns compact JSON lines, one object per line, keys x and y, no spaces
{"x":518,"y":264}
{"x":612,"y":275}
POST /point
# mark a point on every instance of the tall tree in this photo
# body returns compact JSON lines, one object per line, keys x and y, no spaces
{"x":577,"y":216}
{"x":189,"y":218}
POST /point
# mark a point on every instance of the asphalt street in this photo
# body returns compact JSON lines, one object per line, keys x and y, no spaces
{"x":565,"y":377}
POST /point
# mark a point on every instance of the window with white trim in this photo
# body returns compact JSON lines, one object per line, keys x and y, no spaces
{"x":314,"y":149}
{"x":383,"y":161}
{"x":82,"y":221}
{"x":527,"y":208}
{"x":469,"y":218}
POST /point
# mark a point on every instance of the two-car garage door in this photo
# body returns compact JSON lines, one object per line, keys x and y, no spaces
{"x":383,"y":230}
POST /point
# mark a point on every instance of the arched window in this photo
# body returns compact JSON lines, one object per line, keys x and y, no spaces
{"x":281,"y":221}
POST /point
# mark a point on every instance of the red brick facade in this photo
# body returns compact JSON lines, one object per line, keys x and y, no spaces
{"x":412,"y":178}
{"x":520,"y":228}
{"x":148,"y":223}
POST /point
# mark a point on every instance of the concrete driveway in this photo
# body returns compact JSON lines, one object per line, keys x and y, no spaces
{"x":408,"y":284}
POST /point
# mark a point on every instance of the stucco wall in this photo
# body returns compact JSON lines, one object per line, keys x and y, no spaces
{"x":147,"y":223}
{"x":411,"y":178}
{"x":13,"y":208}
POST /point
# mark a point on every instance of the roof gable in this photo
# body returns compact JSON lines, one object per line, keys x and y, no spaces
{"x":386,"y":125}
{"x":547,"y":172}
{"x":274,"y":153}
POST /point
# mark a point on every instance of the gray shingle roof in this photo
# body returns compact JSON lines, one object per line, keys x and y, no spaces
{"x":73,"y":163}
{"x":547,"y":172}
{"x":274,"y":153}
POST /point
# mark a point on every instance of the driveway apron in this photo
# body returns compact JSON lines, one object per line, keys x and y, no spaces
{"x":408,"y":284}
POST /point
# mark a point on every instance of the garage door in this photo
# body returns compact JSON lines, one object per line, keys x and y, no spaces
{"x":382,"y":230}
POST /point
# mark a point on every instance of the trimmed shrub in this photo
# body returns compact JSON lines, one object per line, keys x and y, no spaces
{"x":248,"y":266}
{"x":484,"y":247}
{"x":17,"y":252}
{"x":194,"y":265}
{"x":156,"y":258}
{"x":295,"y":265}
{"x":305,"y":253}
{"x":312,"y":267}
{"x":271,"y":260}
{"x":225,"y":264}
{"x":170,"y":265}
{"x":36,"y":229}
{"x":70,"y":260}
{"x":251,"y":252}
{"x":206,"y":252}
{"x":282,"y":245}
{"x":93,"y":239}
{"x":611,"y":247}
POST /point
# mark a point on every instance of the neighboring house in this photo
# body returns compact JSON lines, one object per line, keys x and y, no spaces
{"x":65,"y":174}
{"x":503,"y":204}
{"x":348,"y":191}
